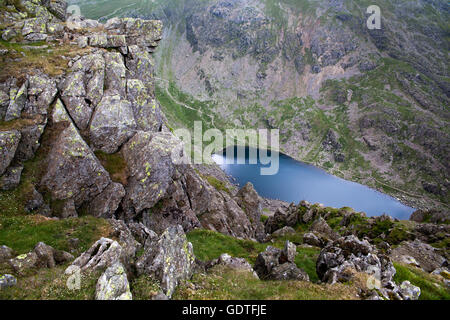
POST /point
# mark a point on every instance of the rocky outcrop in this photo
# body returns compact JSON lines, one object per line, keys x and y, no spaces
{"x":321,"y":227}
{"x":431,"y":233}
{"x":105,"y":102}
{"x":409,"y":291}
{"x":433,"y":216}
{"x":112,"y":124}
{"x":42,"y":256}
{"x":281,"y":219}
{"x":103,"y":254}
{"x":276,"y":264}
{"x":149,"y":159}
{"x":9,"y":141}
{"x":169,"y":259}
{"x":126,"y":240}
{"x":73,"y":172}
{"x":343,"y":259}
{"x":106,"y":204}
{"x":239,"y":264}
{"x":315,"y":239}
{"x":425,"y":255}
{"x":248,"y":199}
{"x":7,"y":281}
{"x":339,"y":261}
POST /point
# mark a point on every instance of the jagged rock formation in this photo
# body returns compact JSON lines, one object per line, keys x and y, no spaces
{"x":346,"y":98}
{"x":276,"y":264}
{"x":169,"y":259}
{"x":105,"y":102}
{"x":103,"y":254}
{"x":425,"y":255}
{"x":342,"y":259}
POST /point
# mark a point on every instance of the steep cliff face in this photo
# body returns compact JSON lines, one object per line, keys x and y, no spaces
{"x":91,"y":137}
{"x":310,"y":68}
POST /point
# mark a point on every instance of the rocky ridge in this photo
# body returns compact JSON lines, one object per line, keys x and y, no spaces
{"x":104,"y":106}
{"x":105,"y":103}
{"x":359,"y":103}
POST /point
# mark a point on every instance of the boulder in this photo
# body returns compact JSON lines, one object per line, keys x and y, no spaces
{"x":141,"y":66}
{"x":42,"y":256}
{"x":314,"y":239}
{"x":42,"y":91}
{"x":281,"y":219}
{"x":288,"y":271}
{"x":45,"y":255}
{"x":433,"y":216}
{"x":310,"y":214}
{"x":239,"y":264}
{"x":17,"y":100}
{"x":170,"y":259}
{"x":141,"y":233}
{"x":409,"y":291}
{"x":29,"y":142}
{"x":58,"y":8}
{"x":82,"y":89}
{"x":248,"y":199}
{"x":68,"y":210}
{"x":73,"y":172}
{"x":6,"y":253}
{"x":106,"y":203}
{"x":149,"y":160}
{"x":7,"y":281}
{"x":115,"y":74}
{"x":266,"y":261}
{"x":11,"y":178}
{"x":288,"y":253}
{"x":431,"y":232}
{"x":113,"y":284}
{"x":146,"y":108}
{"x":9,"y":141}
{"x":112,"y":124}
{"x":103,"y":254}
{"x":276,"y":264}
{"x":126,"y":239}
{"x":35,"y":202}
{"x":321,"y":227}
{"x":24,"y":263}
{"x":424,"y":254}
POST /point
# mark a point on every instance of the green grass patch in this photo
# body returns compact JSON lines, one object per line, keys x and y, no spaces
{"x":22,"y":233}
{"x":218,"y":184}
{"x":209,"y":245}
{"x":115,"y":164}
{"x":431,"y":288}
{"x":51,"y":284}
{"x":222,"y":283}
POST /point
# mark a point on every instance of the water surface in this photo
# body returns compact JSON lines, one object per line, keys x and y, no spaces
{"x":297,"y":181}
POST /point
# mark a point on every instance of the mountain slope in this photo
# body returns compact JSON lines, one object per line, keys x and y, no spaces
{"x":369,"y":105}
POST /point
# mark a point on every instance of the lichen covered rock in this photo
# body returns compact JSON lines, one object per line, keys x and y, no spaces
{"x":9,"y":141}
{"x":170,"y":259}
{"x":73,"y":171}
{"x":113,"y":284}
{"x":103,"y":254}
{"x":112,"y":124}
